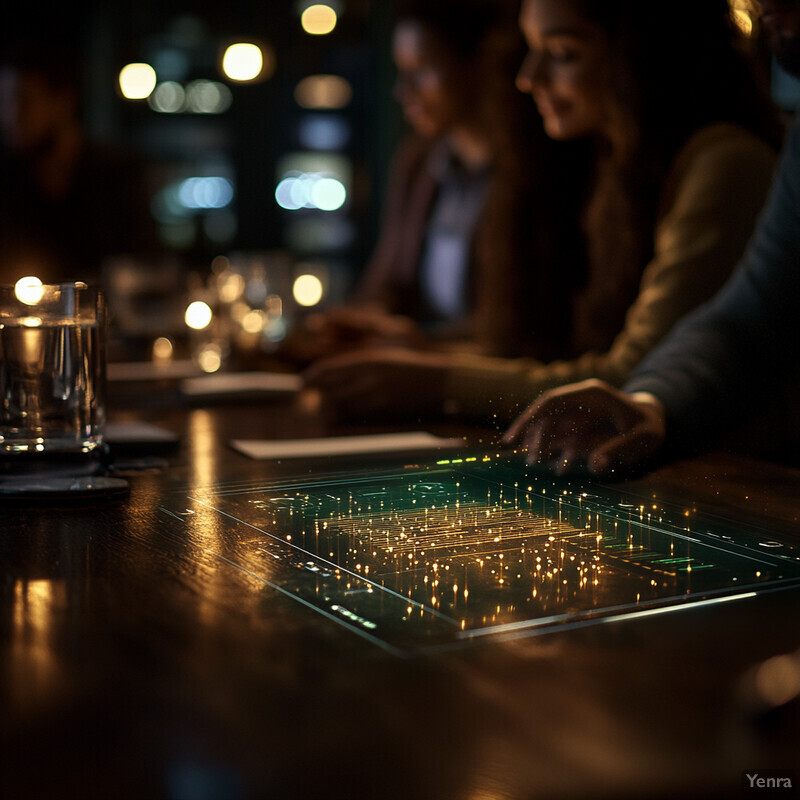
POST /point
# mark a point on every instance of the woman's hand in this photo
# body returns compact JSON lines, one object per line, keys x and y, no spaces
{"x":352,"y":328}
{"x":329,"y":333}
{"x":380,"y":382}
{"x":590,"y":427}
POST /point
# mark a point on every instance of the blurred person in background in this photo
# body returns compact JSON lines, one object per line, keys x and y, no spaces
{"x":67,"y":204}
{"x":474,"y":221}
{"x":726,"y":376}
{"x":684,"y":140}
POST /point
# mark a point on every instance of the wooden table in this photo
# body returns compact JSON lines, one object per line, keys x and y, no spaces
{"x":137,"y":664}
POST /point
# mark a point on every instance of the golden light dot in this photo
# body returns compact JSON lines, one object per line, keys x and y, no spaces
{"x":318,"y":19}
{"x":253,"y":321}
{"x":137,"y":81}
{"x":307,"y":290}
{"x":209,"y":359}
{"x":29,"y":290}
{"x":323,"y":91}
{"x":162,"y":349}
{"x":198,"y":315}
{"x":243,"y":61}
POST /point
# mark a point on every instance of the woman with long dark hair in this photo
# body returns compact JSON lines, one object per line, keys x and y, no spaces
{"x":474,"y":218}
{"x":684,"y":138}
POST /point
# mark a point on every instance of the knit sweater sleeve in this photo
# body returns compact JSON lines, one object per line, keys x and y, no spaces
{"x":745,"y":343}
{"x":709,"y":205}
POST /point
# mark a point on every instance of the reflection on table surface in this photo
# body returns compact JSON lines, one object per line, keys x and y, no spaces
{"x":363,"y":628}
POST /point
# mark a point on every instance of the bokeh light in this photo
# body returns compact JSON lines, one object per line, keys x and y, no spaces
{"x":307,"y":290}
{"x":323,"y":92}
{"x":137,"y":81}
{"x":29,"y":290}
{"x":243,"y":61}
{"x":163,"y":349}
{"x":205,"y":192}
{"x":318,"y":19}
{"x":198,"y":315}
{"x":208,"y":97}
{"x":209,"y":357}
{"x":328,"y":194}
{"x":168,"y":97}
{"x":310,"y":190}
{"x":253,"y":321}
{"x":323,"y":132}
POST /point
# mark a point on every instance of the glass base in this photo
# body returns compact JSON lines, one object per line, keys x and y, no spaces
{"x":55,"y":463}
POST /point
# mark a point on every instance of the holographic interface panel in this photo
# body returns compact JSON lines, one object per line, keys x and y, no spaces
{"x":422,"y":557}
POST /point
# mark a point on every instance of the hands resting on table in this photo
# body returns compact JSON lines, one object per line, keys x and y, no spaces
{"x":586,"y":428}
{"x":589,"y":427}
{"x":344,"y":330}
{"x":380,"y":382}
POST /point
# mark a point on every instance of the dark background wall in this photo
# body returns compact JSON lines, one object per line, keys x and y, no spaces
{"x":249,"y":142}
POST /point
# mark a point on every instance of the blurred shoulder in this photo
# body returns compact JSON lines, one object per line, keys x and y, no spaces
{"x":725,"y":142}
{"x":723,"y":159}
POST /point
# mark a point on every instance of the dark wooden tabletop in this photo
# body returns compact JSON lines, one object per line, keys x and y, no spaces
{"x":137,"y":664}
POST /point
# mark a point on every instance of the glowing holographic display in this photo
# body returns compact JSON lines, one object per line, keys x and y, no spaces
{"x":476,"y":548}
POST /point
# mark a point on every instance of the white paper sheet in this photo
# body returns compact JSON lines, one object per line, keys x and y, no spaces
{"x":416,"y":441}
{"x":237,"y":384}
{"x":150,"y":371}
{"x":136,"y":432}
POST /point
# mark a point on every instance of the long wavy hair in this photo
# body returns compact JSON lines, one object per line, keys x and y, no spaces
{"x":669,"y":78}
{"x":528,"y":247}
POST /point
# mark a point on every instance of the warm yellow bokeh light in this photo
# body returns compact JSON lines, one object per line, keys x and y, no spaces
{"x":253,"y":321}
{"x":323,"y":91}
{"x":318,"y":19}
{"x":29,"y":290}
{"x":198,"y":315}
{"x":137,"y":81}
{"x":209,"y":358}
{"x":243,"y":61}
{"x":163,"y":349}
{"x":307,"y":290}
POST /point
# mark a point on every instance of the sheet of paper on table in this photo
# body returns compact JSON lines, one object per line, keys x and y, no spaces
{"x":137,"y":432}
{"x":241,"y":384}
{"x":151,"y":370}
{"x":414,"y":441}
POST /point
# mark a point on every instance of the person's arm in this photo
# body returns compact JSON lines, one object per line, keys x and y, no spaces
{"x":718,"y":188}
{"x":708,"y":371}
{"x":723,"y":359}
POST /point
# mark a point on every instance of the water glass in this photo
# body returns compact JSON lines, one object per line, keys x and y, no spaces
{"x":52,"y":371}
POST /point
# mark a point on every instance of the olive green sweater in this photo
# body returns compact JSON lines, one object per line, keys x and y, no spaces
{"x":709,"y":204}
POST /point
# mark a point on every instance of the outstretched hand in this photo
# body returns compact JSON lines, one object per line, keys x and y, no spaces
{"x":589,"y":427}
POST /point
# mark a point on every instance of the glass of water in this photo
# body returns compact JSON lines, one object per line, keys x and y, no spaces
{"x":52,"y":372}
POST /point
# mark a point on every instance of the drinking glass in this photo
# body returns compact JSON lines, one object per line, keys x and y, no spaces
{"x":52,"y":372}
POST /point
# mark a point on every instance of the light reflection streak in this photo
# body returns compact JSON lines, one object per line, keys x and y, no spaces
{"x":36,"y":610}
